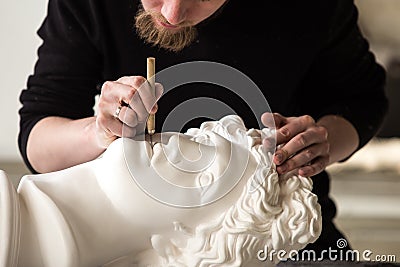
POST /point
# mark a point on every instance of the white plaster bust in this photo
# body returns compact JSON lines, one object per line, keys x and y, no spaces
{"x":215,"y":203}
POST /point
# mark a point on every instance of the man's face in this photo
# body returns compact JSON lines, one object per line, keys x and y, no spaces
{"x":170,"y":23}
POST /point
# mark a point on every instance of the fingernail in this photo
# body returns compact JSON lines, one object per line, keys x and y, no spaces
{"x":282,"y":169}
{"x":303,"y":172}
{"x":279,"y":157}
{"x":285,"y":132}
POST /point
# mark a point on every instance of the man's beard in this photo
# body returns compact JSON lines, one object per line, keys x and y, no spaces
{"x":162,"y":37}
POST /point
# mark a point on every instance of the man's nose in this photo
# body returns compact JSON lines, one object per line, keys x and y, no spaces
{"x":175,"y":11}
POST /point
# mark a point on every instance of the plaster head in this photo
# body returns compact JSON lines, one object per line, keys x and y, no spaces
{"x":217,"y":189}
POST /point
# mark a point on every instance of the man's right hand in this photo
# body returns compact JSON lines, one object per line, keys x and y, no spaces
{"x":124,"y":107}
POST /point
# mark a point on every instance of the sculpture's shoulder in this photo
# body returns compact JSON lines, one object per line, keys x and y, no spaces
{"x":9,"y":222}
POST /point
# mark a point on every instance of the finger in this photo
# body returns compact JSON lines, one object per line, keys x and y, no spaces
{"x":136,"y":104}
{"x":268,"y":120}
{"x":149,"y":98}
{"x":129,"y":132}
{"x":293,"y":127}
{"x":311,"y":136}
{"x":268,"y":143}
{"x":110,"y":125}
{"x":147,"y":95}
{"x":273,"y":120}
{"x":317,"y":166}
{"x":121,"y":112}
{"x":138,"y":130}
{"x":280,"y":156}
{"x":154,"y":109}
{"x":128,"y":116}
{"x":314,"y":135}
{"x":143,"y":87}
{"x":303,"y":158}
{"x":138,"y":89}
{"x":159,"y":89}
{"x":117,"y":92}
{"x":133,"y":81}
{"x":111,"y":122}
{"x":139,"y":81}
{"x":117,"y":128}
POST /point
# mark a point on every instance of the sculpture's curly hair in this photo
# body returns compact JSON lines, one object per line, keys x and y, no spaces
{"x":280,"y":213}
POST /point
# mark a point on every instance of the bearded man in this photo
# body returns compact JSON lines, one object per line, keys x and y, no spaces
{"x":308,"y":58}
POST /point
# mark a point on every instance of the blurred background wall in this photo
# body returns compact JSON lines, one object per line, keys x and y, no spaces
{"x":366,"y":188}
{"x":380,"y":23}
{"x":19,"y":21}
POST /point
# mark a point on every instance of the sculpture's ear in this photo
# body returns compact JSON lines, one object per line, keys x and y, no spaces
{"x":300,"y":222}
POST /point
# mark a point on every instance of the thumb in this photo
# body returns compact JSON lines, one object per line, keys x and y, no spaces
{"x":159,"y":90}
{"x":273,"y":120}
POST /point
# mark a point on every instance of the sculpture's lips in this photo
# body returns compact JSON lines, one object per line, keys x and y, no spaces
{"x":157,"y":139}
{"x":162,"y":137}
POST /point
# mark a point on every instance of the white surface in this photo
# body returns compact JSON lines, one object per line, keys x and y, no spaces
{"x":19,"y":21}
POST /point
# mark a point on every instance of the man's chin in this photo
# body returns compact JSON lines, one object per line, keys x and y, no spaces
{"x":162,"y":34}
{"x":174,"y":40}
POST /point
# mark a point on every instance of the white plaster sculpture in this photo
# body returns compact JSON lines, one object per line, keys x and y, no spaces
{"x":99,"y":214}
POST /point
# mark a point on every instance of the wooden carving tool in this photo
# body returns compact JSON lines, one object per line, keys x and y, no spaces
{"x":151,"y":127}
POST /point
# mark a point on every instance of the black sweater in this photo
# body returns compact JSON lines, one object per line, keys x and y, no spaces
{"x":307,"y":57}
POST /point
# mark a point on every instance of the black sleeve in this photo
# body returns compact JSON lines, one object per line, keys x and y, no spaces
{"x":67,"y":70}
{"x":345,"y":78}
